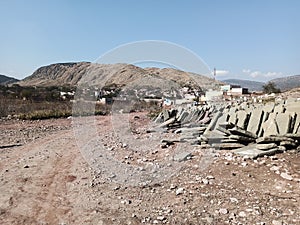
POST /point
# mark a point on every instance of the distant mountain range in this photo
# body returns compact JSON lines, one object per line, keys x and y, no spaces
{"x":4,"y":80}
{"x":251,"y":85}
{"x":284,"y":83}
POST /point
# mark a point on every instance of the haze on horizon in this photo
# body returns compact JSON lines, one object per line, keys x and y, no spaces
{"x":255,"y":40}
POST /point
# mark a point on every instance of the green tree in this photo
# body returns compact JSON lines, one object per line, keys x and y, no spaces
{"x":270,"y":87}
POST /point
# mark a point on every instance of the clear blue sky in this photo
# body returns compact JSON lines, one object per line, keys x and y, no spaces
{"x":258,"y":39}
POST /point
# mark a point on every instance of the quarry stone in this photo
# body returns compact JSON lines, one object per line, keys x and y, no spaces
{"x":266,"y":146}
{"x":255,"y":121}
{"x":283,"y":121}
{"x":242,"y":118}
{"x":269,"y":127}
{"x":241,"y":132}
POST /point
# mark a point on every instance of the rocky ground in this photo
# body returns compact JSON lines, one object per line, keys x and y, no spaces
{"x":46,"y":178}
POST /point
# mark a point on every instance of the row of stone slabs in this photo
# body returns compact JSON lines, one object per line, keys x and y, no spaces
{"x":265,"y":120}
{"x":239,"y":127}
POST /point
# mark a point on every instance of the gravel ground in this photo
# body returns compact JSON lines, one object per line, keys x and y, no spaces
{"x":46,"y":178}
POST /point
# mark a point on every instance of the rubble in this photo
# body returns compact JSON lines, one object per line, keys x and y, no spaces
{"x":250,"y":130}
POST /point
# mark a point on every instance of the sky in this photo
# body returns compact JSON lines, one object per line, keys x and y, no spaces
{"x":254,"y":40}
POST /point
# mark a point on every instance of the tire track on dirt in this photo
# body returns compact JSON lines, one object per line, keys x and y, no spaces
{"x":40,"y":190}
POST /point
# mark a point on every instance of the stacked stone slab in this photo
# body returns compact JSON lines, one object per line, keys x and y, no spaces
{"x":254,"y":130}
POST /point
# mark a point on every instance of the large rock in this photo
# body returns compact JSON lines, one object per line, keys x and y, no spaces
{"x":269,"y":128}
{"x":293,"y":106}
{"x":252,"y":152}
{"x":167,"y":123}
{"x":227,"y":146}
{"x":232,"y":118}
{"x":242,"y":132}
{"x":190,"y":130}
{"x":283,"y":121}
{"x":269,"y":107}
{"x":255,"y":121}
{"x":279,"y":108}
{"x":296,"y":123}
{"x":213,"y":122}
{"x":242,"y":138}
{"x":183,"y":115}
{"x":242,"y":119}
{"x":223,"y":130}
{"x":272,"y":139}
{"x":166,"y":114}
{"x":183,"y":156}
{"x":266,"y":146}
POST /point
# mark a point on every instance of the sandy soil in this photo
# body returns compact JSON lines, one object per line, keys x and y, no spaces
{"x":46,"y":179}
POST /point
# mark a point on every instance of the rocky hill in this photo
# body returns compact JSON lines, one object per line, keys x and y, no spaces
{"x":7,"y":80}
{"x":114,"y":74}
{"x":56,"y":74}
{"x":287,"y":83}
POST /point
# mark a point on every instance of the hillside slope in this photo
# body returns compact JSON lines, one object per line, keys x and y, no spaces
{"x":287,"y":83}
{"x":251,"y":85}
{"x":101,"y":75}
{"x":7,"y":80}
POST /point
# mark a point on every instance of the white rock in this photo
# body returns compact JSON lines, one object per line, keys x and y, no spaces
{"x":172,"y":186}
{"x":205,"y":181}
{"x":161,"y":218}
{"x":276,"y":222}
{"x":286,"y":176}
{"x":244,"y":164}
{"x":242,"y":214}
{"x":210,"y":177}
{"x":275,"y":168}
{"x":223,"y":211}
{"x":234,"y":200}
{"x":179,"y":191}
